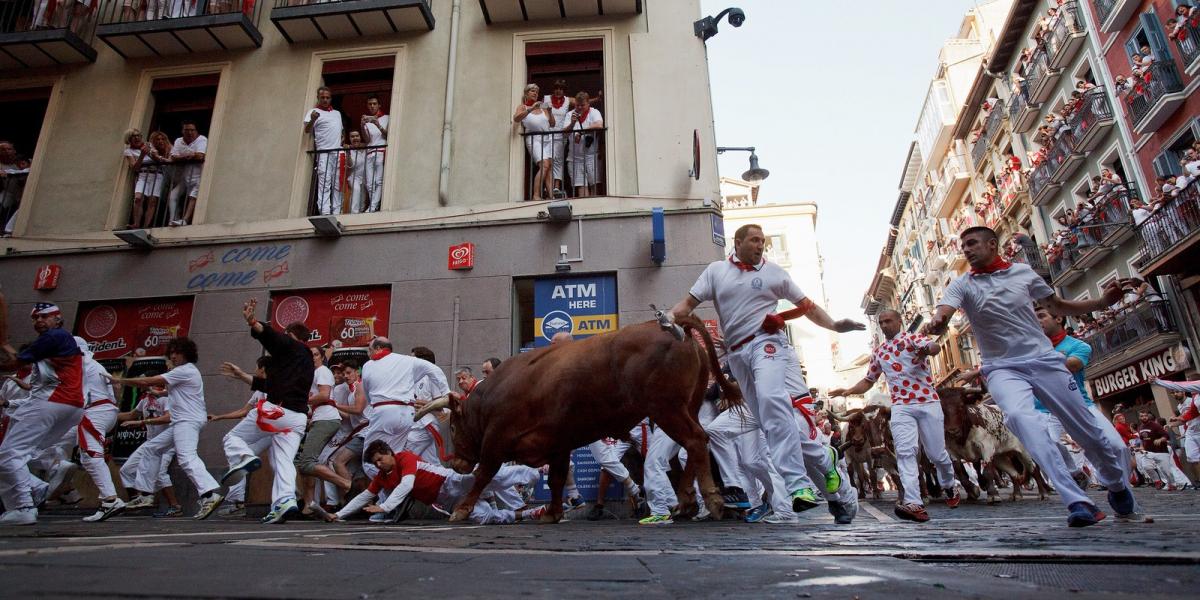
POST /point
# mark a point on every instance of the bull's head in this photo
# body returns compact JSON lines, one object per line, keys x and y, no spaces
{"x":955,"y":401}
{"x":466,"y":446}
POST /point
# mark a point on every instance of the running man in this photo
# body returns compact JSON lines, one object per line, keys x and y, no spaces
{"x":99,"y":417}
{"x":1019,"y":362}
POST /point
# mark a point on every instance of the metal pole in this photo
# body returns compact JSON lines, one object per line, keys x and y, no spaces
{"x":454,"y":339}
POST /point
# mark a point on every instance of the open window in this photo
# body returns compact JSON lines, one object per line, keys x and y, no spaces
{"x":24,"y":111}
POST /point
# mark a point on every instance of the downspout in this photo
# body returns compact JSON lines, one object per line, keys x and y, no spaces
{"x":448,"y":116}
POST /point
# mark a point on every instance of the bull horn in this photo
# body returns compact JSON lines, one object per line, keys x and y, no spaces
{"x":438,"y":403}
{"x":838,"y":416}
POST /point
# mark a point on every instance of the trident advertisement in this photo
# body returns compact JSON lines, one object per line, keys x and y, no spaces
{"x":580,"y":306}
{"x":133,"y":327}
{"x":345,"y":317}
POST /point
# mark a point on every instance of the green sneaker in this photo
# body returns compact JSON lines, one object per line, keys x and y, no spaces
{"x":657,"y":520}
{"x":833,"y":481}
{"x":804,"y":499}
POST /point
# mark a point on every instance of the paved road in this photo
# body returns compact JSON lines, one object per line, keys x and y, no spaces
{"x":1012,"y":550}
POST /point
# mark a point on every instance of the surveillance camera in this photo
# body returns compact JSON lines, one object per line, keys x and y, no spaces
{"x":736,"y":17}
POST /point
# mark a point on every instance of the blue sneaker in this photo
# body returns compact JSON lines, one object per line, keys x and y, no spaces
{"x":758,"y":513}
{"x":1083,"y":514}
{"x":1124,"y":504}
{"x":734,"y":497}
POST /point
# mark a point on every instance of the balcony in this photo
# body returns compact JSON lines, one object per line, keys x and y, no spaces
{"x":1062,"y":268}
{"x":1092,"y":122}
{"x":1063,"y":159}
{"x":1032,"y":257}
{"x":1012,"y":188}
{"x":319,"y":20}
{"x":1110,"y":225}
{"x":207,"y":26}
{"x":1142,"y":327}
{"x":1041,"y":78}
{"x":1170,"y":235}
{"x":29,"y":38}
{"x":1021,"y":114}
{"x":951,"y":185}
{"x":1157,"y":99}
{"x":1115,"y":13}
{"x":1041,"y":184}
{"x":1067,"y":35}
{"x":346,"y":180}
{"x":991,"y":129}
{"x":1187,"y":39}
{"x":583,"y":170}
{"x":512,"y":11}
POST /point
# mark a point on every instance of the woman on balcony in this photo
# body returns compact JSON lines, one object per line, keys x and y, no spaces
{"x":535,"y":123}
{"x":148,"y":178}
{"x":584,"y":145}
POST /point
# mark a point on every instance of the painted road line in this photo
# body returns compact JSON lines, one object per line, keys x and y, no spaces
{"x":66,"y":549}
{"x":879,"y":515}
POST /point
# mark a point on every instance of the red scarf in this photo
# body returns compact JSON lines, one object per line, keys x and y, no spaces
{"x":528,"y":102}
{"x":557,"y":102}
{"x":583,"y":115}
{"x":318,"y":107}
{"x":269,"y":413}
{"x":997,"y":264}
{"x":1057,"y":338}
{"x":743,"y":266}
{"x":380,"y":354}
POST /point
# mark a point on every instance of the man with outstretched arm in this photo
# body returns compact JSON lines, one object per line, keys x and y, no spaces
{"x":1019,"y":362}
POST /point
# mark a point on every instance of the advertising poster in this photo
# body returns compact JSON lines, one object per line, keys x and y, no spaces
{"x":580,"y":306}
{"x":346,"y":317}
{"x":115,"y":329}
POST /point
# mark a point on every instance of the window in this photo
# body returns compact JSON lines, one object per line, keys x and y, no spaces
{"x":560,"y":164}
{"x":24,"y":111}
{"x":776,"y":250}
{"x":1167,"y":162}
{"x":581,"y":306}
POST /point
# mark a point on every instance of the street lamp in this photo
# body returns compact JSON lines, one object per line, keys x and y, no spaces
{"x":755,"y":173}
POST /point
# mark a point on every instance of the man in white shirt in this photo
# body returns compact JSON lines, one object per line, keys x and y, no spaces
{"x":99,"y":416}
{"x":390,"y":382}
{"x":188,"y":151}
{"x":375,"y":128}
{"x":1188,"y":395}
{"x":584,"y":140}
{"x":323,"y":425}
{"x":1019,"y":362}
{"x":185,"y":396}
{"x":745,"y":289}
{"x":325,"y":123}
{"x":425,"y":438}
{"x":917,"y":420}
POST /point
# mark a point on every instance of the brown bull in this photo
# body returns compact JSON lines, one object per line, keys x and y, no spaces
{"x":538,"y":407}
{"x":976,"y":432}
{"x":868,"y":445}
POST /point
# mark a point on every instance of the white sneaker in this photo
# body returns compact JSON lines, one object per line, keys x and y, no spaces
{"x":280,"y":512}
{"x":106,"y":510}
{"x":779,"y":519}
{"x":208,"y":504}
{"x":236,"y":509}
{"x":140,"y":501}
{"x":20,"y":516}
{"x":237,"y":471}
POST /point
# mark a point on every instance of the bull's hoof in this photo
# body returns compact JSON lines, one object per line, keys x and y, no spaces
{"x":716,"y":507}
{"x":459,"y":515}
{"x":687,"y":510}
{"x":993,"y":499}
{"x":550,"y":518}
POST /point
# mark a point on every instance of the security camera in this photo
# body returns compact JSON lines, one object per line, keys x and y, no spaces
{"x":707,"y":27}
{"x":736,"y":17}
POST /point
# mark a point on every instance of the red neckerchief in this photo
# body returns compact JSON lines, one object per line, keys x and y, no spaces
{"x":378,"y":113}
{"x":1057,"y":338}
{"x":557,"y":102}
{"x":743,"y":266}
{"x":528,"y":102}
{"x":318,"y":107}
{"x":380,"y":354}
{"x":137,"y":147}
{"x":583,"y":114}
{"x":997,"y":264}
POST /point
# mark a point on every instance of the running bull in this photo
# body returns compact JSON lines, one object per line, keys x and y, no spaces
{"x":539,"y":406}
{"x":976,"y":432}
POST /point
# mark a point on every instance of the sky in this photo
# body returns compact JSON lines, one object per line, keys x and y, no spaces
{"x":829,"y":94}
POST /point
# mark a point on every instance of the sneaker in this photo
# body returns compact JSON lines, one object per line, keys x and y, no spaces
{"x":169,"y":512}
{"x":241,"y":469}
{"x":778,"y":519}
{"x":657,"y":520}
{"x":1124,"y":504}
{"x":911,"y":512}
{"x":559,"y":193}
{"x":841,"y":512}
{"x":20,"y":516}
{"x":833,"y":480}
{"x":953,"y":498}
{"x":38,"y":495}
{"x":533,"y":514}
{"x":703,"y":514}
{"x":804,"y":499}
{"x":758,"y":513}
{"x":140,"y":501}
{"x":379,"y":518}
{"x":279,"y":512}
{"x":107,"y":509}
{"x":596,"y":513}
{"x":208,"y":503}
{"x":1083,"y":514}
{"x":574,"y":502}
{"x":734,"y":497}
{"x":235,"y":509}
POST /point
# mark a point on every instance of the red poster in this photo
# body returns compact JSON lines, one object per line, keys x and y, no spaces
{"x":346,"y":317}
{"x":461,"y":256}
{"x":139,"y":327}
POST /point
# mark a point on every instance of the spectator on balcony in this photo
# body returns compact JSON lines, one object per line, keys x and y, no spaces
{"x":1191,"y":164}
{"x":188,"y":154}
{"x":1140,"y":213}
{"x":559,"y":107}
{"x":374,"y":129}
{"x":1167,"y":186}
{"x":325,"y":123}
{"x":1122,"y":85}
{"x":1083,"y":86}
{"x":13,"y":168}
{"x":584,"y":145}
{"x":148,"y":178}
{"x":355,"y":161}
{"x":534,"y":118}
{"x":1014,"y":163}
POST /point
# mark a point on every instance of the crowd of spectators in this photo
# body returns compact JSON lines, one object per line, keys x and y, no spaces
{"x":1138,"y":292}
{"x":162,"y":167}
{"x":14,"y":169}
{"x":561,"y":139}
{"x":1083,"y":225}
{"x":1182,"y":26}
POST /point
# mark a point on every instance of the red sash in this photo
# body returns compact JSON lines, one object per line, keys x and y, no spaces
{"x":804,"y":404}
{"x":266,"y":414}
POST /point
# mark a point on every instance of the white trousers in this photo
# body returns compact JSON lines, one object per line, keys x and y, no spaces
{"x":248,"y":439}
{"x":1168,"y":473}
{"x":329,"y":193}
{"x":91,"y":448}
{"x":358,"y":190}
{"x":35,"y":426}
{"x":920,"y":426}
{"x":760,"y":368}
{"x":182,"y":436}
{"x":559,"y":144}
{"x":425,"y":441}
{"x":659,"y":494}
{"x":390,"y":423}
{"x":374,"y":179}
{"x":740,"y":449}
{"x":159,"y":463}
{"x":1191,"y":446}
{"x":1014,"y":384}
{"x":608,"y":460}
{"x":457,"y":486}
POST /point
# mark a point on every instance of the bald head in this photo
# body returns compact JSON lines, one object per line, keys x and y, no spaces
{"x":890,"y":322}
{"x":560,"y":338}
{"x":381,"y":343}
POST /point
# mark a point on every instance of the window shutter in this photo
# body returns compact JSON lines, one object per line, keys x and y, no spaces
{"x":1163,"y":164}
{"x":1156,"y":37}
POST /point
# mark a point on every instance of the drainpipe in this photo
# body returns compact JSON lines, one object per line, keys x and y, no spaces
{"x":448,"y":118}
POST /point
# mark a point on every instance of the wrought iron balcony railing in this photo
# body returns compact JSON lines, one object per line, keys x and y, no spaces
{"x":1138,"y":322}
{"x":1162,"y":79}
{"x":1177,"y":220}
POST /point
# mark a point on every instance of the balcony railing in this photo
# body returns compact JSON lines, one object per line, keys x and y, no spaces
{"x":1139,"y":322}
{"x":576,"y":159}
{"x":1062,"y":149}
{"x":346,"y":180}
{"x":164,"y":27}
{"x":1093,"y":116}
{"x":1163,"y":79}
{"x":321,"y":20}
{"x":12,"y":186}
{"x":1104,"y":8}
{"x":988,"y":135}
{"x":1021,"y":114}
{"x":1041,"y":77}
{"x":163,"y":191}
{"x":1062,"y":263}
{"x":41,"y":33}
{"x":1110,"y":216}
{"x":1034,"y":259}
{"x":1169,"y":226}
{"x":1067,"y":35}
{"x":1041,"y":180}
{"x":1187,"y":39}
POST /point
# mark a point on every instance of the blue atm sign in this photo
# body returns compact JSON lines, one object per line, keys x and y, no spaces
{"x":580,"y":306}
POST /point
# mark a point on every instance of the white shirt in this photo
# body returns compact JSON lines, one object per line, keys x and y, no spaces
{"x":152,"y":406}
{"x":14,"y":394}
{"x":744,"y":298}
{"x":1140,"y":215}
{"x":394,"y":377}
{"x":343,"y":394}
{"x":907,"y":374}
{"x":182,"y":148}
{"x":327,"y":131}
{"x":562,"y":114}
{"x":1190,"y":428}
{"x":1000,"y":307}
{"x":323,"y":376}
{"x":374,"y":133}
{"x":96,"y":386}
{"x":136,"y":152}
{"x":185,"y":394}
{"x":425,"y":393}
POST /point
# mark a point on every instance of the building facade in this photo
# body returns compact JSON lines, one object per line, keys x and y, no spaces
{"x":456,"y":257}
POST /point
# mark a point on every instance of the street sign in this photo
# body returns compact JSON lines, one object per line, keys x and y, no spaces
{"x":580,"y":306}
{"x":461,"y":257}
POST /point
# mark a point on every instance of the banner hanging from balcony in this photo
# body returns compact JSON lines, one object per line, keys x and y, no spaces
{"x":344,"y":317}
{"x":1140,"y":372}
{"x":580,"y":306}
{"x":133,"y":327}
